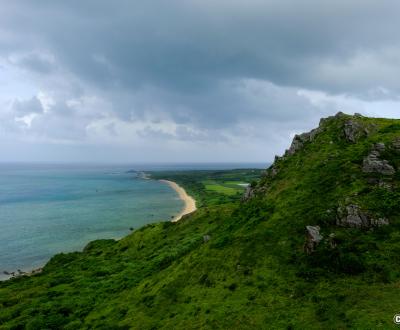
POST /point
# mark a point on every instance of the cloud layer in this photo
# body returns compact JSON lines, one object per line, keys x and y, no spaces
{"x":187,"y":80}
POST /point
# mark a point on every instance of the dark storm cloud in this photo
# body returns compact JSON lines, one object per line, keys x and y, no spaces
{"x":216,"y":69}
{"x":191,"y":44}
{"x":36,"y":63}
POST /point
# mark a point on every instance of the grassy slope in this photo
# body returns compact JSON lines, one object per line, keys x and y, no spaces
{"x":252,"y":273}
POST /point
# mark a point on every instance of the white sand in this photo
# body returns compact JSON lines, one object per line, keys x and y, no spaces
{"x":190,"y":203}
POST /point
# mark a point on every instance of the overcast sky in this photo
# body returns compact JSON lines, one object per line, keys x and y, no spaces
{"x":189,"y":80}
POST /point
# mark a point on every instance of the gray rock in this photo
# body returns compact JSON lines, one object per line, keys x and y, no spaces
{"x":313,"y":238}
{"x":373,"y":164}
{"x":379,"y":222}
{"x":296,"y":145}
{"x":380,"y":146}
{"x":340,"y":114}
{"x":396,"y":144}
{"x":300,"y":139}
{"x":206,"y":238}
{"x":352,"y":216}
{"x":353,"y":130}
{"x":249,"y":193}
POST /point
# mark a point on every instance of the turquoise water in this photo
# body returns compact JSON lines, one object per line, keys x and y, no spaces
{"x":47,"y":209}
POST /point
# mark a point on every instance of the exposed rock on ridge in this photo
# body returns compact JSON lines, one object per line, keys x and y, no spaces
{"x":299,"y":141}
{"x":355,"y":129}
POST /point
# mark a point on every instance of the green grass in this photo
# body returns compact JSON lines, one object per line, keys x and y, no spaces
{"x":222,"y":189}
{"x":225,"y":188}
{"x":252,"y":273}
{"x":212,"y":187}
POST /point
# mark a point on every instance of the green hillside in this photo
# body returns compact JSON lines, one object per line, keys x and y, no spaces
{"x":314,"y":244}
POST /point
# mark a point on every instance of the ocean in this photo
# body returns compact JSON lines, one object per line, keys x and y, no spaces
{"x":47,"y":209}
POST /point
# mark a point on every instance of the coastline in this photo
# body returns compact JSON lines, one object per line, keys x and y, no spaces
{"x":189,"y":207}
{"x":190,"y":203}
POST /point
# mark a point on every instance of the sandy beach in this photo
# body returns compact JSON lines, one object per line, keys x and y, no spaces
{"x":190,"y":203}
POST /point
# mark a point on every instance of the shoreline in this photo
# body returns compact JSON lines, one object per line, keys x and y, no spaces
{"x":189,"y":207}
{"x":189,"y":201}
{"x":20,"y":273}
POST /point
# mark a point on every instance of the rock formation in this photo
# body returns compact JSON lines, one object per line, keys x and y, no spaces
{"x":396,"y":144}
{"x":313,"y":238}
{"x":352,"y":216}
{"x":354,"y":129}
{"x":373,"y":164}
{"x":300,"y":139}
{"x":249,"y":193}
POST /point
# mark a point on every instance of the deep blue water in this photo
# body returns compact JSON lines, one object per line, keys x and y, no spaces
{"x":47,"y":209}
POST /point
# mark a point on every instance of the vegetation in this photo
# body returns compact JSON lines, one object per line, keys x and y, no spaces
{"x":212,"y":187}
{"x":241,"y":264}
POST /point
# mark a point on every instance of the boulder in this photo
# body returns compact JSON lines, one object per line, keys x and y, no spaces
{"x":353,"y":130}
{"x":313,"y":238}
{"x":373,"y":164}
{"x":352,"y":216}
{"x":396,"y":144}
{"x":380,"y":146}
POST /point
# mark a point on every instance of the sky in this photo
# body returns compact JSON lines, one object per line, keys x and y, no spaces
{"x":190,"y":80}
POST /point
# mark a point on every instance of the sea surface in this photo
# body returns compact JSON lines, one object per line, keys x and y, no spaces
{"x":46,"y":209}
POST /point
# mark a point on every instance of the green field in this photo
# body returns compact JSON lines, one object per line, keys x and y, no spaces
{"x":212,"y":187}
{"x":228,"y":188}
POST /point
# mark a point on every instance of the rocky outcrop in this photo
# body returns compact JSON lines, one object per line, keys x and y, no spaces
{"x":300,"y":139}
{"x":249,"y":193}
{"x":273,"y":170}
{"x":313,"y":238}
{"x":296,"y":145}
{"x":380,"y":146}
{"x":352,"y":216}
{"x":373,"y":164}
{"x":327,"y":119}
{"x":352,"y":130}
{"x":396,"y":144}
{"x":355,"y":129}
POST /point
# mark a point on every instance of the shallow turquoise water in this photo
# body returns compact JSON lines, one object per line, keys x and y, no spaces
{"x":50,"y":209}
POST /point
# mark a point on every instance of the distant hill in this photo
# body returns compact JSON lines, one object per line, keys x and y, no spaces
{"x":313,"y":244}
